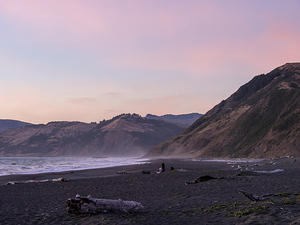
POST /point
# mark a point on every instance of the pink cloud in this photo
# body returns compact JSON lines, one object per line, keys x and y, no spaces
{"x":81,"y":100}
{"x":118,"y":32}
{"x":106,"y":21}
{"x":277,"y":44}
{"x":54,"y":19}
{"x":167,"y":104}
{"x":200,"y":39}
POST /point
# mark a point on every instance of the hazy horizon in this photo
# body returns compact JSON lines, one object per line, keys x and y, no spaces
{"x":91,"y":60}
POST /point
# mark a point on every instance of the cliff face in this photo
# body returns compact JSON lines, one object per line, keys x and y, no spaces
{"x":124,"y":135}
{"x":261,"y":119}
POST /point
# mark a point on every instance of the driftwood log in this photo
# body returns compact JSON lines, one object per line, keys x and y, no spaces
{"x":253,"y":197}
{"x":89,"y":205}
{"x":257,"y":198}
{"x":203,"y":179}
{"x":60,"y":179}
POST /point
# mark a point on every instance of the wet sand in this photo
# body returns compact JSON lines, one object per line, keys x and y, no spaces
{"x":166,"y":197}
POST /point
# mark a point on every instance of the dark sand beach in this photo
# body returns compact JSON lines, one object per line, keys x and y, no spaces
{"x":166,"y":197}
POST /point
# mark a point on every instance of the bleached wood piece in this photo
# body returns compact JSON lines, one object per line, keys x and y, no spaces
{"x":89,"y":205}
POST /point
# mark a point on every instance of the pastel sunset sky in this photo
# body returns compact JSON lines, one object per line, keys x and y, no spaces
{"x":87,"y":60}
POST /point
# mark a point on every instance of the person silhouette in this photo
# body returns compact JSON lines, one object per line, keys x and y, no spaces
{"x":162,"y":168}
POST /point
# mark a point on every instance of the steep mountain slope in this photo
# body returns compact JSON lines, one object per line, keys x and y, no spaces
{"x":11,"y":124}
{"x":184,"y":120}
{"x":261,"y":119}
{"x":126,"y":134}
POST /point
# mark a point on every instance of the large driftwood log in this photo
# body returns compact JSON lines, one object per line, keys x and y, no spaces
{"x":89,"y":205}
{"x":203,"y":179}
{"x":60,"y":179}
{"x":253,"y":197}
{"x":257,"y":198}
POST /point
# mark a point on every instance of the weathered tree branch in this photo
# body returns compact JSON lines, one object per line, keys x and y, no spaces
{"x":89,"y":205}
{"x":264,"y":197}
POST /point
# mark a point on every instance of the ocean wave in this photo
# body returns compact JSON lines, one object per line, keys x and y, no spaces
{"x":35,"y":165}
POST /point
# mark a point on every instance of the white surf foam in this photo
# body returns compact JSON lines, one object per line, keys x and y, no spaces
{"x":34,"y":165}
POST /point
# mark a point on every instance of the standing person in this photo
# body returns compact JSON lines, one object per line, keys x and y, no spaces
{"x":163,"y":167}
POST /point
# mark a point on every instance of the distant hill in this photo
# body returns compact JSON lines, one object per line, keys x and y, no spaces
{"x":184,"y":120}
{"x":11,"y":124}
{"x":123,"y":135}
{"x":261,"y":119}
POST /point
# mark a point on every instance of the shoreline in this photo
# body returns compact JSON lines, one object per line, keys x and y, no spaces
{"x":166,"y":197}
{"x":139,"y":161}
{"x":112,"y":170}
{"x":107,"y":162}
{"x":70,"y":174}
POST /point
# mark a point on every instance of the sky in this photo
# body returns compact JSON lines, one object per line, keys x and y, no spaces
{"x":89,"y":60}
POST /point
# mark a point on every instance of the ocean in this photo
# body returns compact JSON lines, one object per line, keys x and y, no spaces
{"x":35,"y":165}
